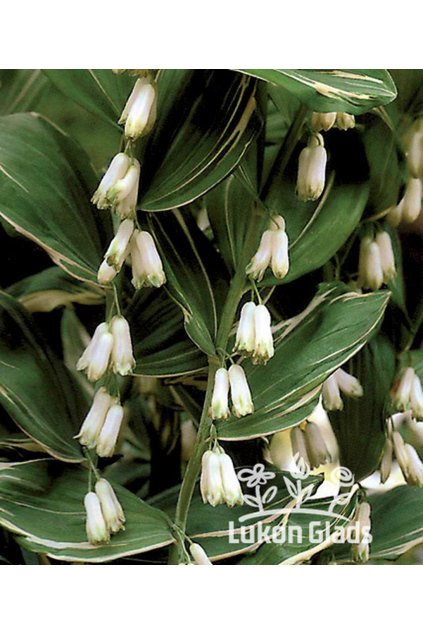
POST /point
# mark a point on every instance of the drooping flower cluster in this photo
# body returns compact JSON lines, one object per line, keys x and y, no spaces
{"x":309,"y":445}
{"x":361,"y":550}
{"x":219,"y":483}
{"x":101,"y":427}
{"x":235,"y":381}
{"x":105,"y":515}
{"x":272,"y":252}
{"x":109,"y":349}
{"x":254,"y":334}
{"x":324,"y":121}
{"x":376,"y":264}
{"x":407,"y":393}
{"x":312,"y":169}
{"x":339,"y":381}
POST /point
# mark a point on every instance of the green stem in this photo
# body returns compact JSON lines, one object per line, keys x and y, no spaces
{"x":194,"y":464}
{"x":233,"y":298}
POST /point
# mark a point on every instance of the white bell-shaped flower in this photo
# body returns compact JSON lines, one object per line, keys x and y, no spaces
{"x":280,"y":258}
{"x":96,"y":358}
{"x":115,"y":172}
{"x":139,"y":114}
{"x":119,"y":247}
{"x":344,"y":121}
{"x":331,"y":394}
{"x":262,"y":257}
{"x":348,"y":384}
{"x":123,"y":360}
{"x":110,"y":506}
{"x":219,"y":409}
{"x":245,"y":334}
{"x":414,"y":150}
{"x":211,"y":479}
{"x":317,"y":450}
{"x":263,"y":346}
{"x":416,"y":398}
{"x":312,"y":169}
{"x":370,"y":273}
{"x":106,"y":273}
{"x":242,"y":403}
{"x":401,"y":391}
{"x":232,"y":492}
{"x":109,"y":433}
{"x":411,"y":203}
{"x":387,"y":258}
{"x":147,"y":267}
{"x":123,"y":195}
{"x":95,"y":418}
{"x":298,"y":444}
{"x":96,"y":528}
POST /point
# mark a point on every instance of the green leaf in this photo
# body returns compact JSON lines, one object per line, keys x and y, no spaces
{"x":45,"y":187}
{"x":161,"y":345}
{"x":51,"y":288}
{"x":99,"y":91}
{"x":45,"y":507}
{"x":195,"y":275}
{"x":351,"y":90}
{"x":397,"y":521}
{"x":35,"y":388}
{"x":382,"y":152}
{"x":308,"y":348}
{"x":21,"y":90}
{"x":359,"y":427}
{"x":205,"y":123}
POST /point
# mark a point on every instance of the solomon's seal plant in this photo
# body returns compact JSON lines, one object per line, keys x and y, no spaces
{"x":210,"y":275}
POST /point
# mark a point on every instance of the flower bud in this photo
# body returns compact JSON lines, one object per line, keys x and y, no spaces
{"x":280,"y":259}
{"x":139,"y":114}
{"x":414,"y":474}
{"x":361,"y":550}
{"x":123,"y":195}
{"x":108,"y":436}
{"x":219,"y":404}
{"x":199,"y":555}
{"x":331,"y":395}
{"x":387,"y":258}
{"x":147,"y":267}
{"x":242,"y":403}
{"x":345,"y":121}
{"x":277,"y":223}
{"x":386,"y":463}
{"x":370,"y":272}
{"x":416,"y":398}
{"x":298,"y":444}
{"x":232,"y":493}
{"x":245,"y":334}
{"x":119,"y":246}
{"x":401,"y":391}
{"x":412,"y":200}
{"x":311,"y":169}
{"x":261,"y":259}
{"x":106,"y":273}
{"x":348,"y":384}
{"x":211,"y":479}
{"x":95,"y":418}
{"x":322,"y":121}
{"x":110,"y":507}
{"x":317,"y":450}
{"x":116,"y":170}
{"x":96,"y":528}
{"x":263,"y":348}
{"x":122,"y":356}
